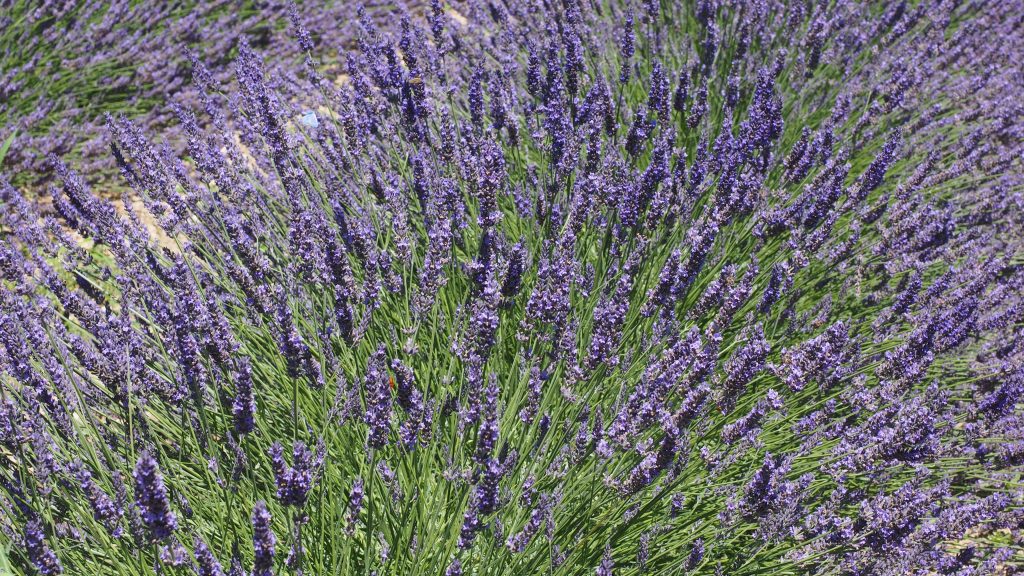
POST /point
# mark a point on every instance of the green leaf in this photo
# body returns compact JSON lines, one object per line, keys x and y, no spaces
{"x":6,"y":146}
{"x":5,"y":564}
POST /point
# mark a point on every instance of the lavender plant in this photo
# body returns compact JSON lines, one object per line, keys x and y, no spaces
{"x":590,"y":288}
{"x":67,"y":63}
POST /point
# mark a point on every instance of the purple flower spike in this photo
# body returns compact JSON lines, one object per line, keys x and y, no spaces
{"x":378,"y":399}
{"x":39,"y":553}
{"x":206,"y":563}
{"x":263,"y":541}
{"x":152,"y":500}
{"x":606,"y":567}
{"x":294,"y":482}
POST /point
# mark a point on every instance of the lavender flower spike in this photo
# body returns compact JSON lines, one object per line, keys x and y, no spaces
{"x":263,"y":541}
{"x":151,"y":498}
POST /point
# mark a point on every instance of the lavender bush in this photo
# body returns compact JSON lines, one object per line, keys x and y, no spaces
{"x":64,"y":64}
{"x":713,"y":287}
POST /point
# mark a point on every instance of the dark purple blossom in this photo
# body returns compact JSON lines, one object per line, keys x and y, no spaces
{"x":825,"y":359}
{"x":295,"y":481}
{"x":39,"y":553}
{"x":378,"y":399}
{"x":606,"y":567}
{"x":243,"y":406}
{"x":743,"y":366}
{"x":627,"y":47}
{"x":104,"y":509}
{"x":696,"y":555}
{"x":263,"y":541}
{"x":206,"y":563}
{"x":151,"y":498}
{"x":355,"y":505}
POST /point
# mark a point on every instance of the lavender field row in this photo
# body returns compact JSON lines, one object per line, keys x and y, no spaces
{"x":512,"y":287}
